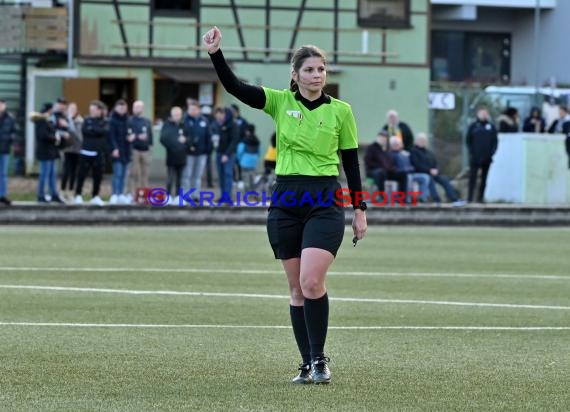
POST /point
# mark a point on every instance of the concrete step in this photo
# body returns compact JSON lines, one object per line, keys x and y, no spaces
{"x":30,"y":213}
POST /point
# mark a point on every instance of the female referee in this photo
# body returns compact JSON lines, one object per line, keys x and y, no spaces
{"x":311,"y":128}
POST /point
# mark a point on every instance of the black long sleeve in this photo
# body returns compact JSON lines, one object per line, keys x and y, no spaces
{"x":352,"y":171}
{"x":253,"y":96}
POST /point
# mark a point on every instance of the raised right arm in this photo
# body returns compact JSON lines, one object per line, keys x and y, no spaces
{"x":253,"y":96}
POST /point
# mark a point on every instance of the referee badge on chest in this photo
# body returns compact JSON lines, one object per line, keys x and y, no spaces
{"x":295,"y":114}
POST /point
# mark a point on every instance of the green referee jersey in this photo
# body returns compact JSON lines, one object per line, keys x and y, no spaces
{"x":308,"y":140}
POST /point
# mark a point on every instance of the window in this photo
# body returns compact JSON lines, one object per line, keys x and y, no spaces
{"x":471,"y":57}
{"x":169,"y":93}
{"x":111,"y":90}
{"x":384,"y":13}
{"x":175,"y":8}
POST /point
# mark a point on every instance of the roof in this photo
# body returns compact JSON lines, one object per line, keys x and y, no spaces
{"x":527,"y":90}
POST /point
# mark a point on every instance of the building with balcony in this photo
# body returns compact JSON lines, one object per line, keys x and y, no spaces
{"x":491,"y":41}
{"x":378,"y":54}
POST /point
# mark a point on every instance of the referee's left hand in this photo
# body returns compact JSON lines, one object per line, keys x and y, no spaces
{"x":359,"y":224}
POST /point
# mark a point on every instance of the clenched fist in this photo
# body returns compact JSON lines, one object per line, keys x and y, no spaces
{"x":212,"y":40}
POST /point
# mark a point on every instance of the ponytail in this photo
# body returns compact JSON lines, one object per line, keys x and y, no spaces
{"x":293,"y":86}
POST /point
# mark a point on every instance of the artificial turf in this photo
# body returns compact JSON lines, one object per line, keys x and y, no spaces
{"x":206,"y":351}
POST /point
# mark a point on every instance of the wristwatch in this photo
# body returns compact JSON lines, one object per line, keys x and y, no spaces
{"x":362,"y":206}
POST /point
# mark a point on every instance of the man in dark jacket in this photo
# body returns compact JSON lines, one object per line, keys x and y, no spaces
{"x":48,"y":141}
{"x":141,"y":127}
{"x":401,"y":159}
{"x":59,"y":115}
{"x":121,"y":138}
{"x":174,"y":140}
{"x":95,"y":132}
{"x":199,"y":144}
{"x":379,"y":165}
{"x":562,"y":125}
{"x":7,"y":137}
{"x":228,"y":137}
{"x":395,"y":127}
{"x":424,"y":161}
{"x":566,"y":131}
{"x":482,"y":142}
{"x":242,"y":125}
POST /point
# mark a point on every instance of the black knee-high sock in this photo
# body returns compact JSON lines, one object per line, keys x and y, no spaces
{"x":317,"y":319}
{"x":300,"y":331}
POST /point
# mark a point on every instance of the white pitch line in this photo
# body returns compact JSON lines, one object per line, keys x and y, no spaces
{"x":278,"y":272}
{"x":267,"y":296}
{"x":178,"y":326}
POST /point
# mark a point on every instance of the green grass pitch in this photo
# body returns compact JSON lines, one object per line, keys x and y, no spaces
{"x":196,"y":318}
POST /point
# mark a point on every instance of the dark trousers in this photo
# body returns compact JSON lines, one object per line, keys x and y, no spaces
{"x":237,"y":171}
{"x":209,"y":177}
{"x":568,"y":150}
{"x":70,"y":168}
{"x":174,"y":177}
{"x":90,"y":163}
{"x":380,"y":176}
{"x":473,"y":171}
{"x":269,"y":166}
{"x":443,"y":182}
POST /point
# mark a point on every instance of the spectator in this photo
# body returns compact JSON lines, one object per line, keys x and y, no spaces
{"x":71,"y":153}
{"x":59,"y":114}
{"x":270,"y":159}
{"x":242,"y":126}
{"x":401,"y":159}
{"x":263,"y":182}
{"x":562,"y":125}
{"x":534,"y":123}
{"x":121,"y":137}
{"x":48,"y":140}
{"x":207,"y":113}
{"x":568,"y":146}
{"x":175,"y":142}
{"x":380,"y":166}
{"x":248,"y":155}
{"x":557,"y":125}
{"x":228,"y":139}
{"x":95,"y":132}
{"x":509,"y":121}
{"x":7,"y":137}
{"x":482,"y":144}
{"x":395,"y":127}
{"x":199,"y":144}
{"x":424,"y":161}
{"x":141,"y":153}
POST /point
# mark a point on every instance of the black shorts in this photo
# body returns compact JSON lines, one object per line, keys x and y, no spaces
{"x":303,"y":214}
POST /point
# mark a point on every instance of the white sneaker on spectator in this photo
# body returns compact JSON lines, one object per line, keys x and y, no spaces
{"x":459,"y":203}
{"x":128,"y":199}
{"x":123,"y":199}
{"x":114,"y":200}
{"x":240,"y":185}
{"x":97,"y":201}
{"x":78,"y":200}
